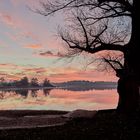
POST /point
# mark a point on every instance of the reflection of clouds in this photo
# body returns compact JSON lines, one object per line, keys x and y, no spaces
{"x":104,"y":98}
{"x":8,"y":95}
{"x":62,"y":100}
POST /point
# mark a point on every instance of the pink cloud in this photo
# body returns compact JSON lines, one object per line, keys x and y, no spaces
{"x":7,"y":19}
{"x":35,"y":70}
{"x":17,"y":37}
{"x":54,"y":74}
{"x":21,"y":2}
{"x":8,"y":65}
{"x":83,"y":75}
{"x":15,"y":21}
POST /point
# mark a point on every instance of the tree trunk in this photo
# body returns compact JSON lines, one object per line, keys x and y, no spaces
{"x":128,"y":85}
{"x":128,"y":95}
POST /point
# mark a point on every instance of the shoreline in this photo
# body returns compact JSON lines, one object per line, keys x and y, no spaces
{"x":105,"y":125}
{"x":30,"y":119}
{"x":25,"y":88}
{"x":22,"y":113}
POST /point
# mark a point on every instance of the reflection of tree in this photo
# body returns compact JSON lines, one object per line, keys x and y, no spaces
{"x":34,"y":93}
{"x":46,"y":91}
{"x":23,"y":93}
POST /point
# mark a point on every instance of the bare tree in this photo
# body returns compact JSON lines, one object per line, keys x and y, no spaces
{"x":99,"y":25}
{"x":111,"y":62}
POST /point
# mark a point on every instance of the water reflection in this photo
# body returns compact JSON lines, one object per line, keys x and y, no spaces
{"x":34,"y":93}
{"x":46,"y":92}
{"x":88,"y":88}
{"x":23,"y":93}
{"x":58,"y":99}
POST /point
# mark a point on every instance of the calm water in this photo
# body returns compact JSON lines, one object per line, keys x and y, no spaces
{"x":58,"y":99}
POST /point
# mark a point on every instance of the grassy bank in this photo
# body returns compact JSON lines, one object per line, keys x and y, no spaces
{"x":106,"y":125}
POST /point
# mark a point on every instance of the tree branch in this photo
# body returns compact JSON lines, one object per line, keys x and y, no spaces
{"x":117,"y":62}
{"x":125,"y":3}
{"x":102,"y":47}
{"x":108,"y":62}
{"x":85,"y":32}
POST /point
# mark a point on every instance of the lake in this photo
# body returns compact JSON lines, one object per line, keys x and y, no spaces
{"x":58,"y":99}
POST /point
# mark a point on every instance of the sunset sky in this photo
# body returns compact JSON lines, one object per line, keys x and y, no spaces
{"x":29,"y":46}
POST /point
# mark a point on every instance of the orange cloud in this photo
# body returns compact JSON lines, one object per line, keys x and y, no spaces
{"x":8,"y":76}
{"x":34,"y":46}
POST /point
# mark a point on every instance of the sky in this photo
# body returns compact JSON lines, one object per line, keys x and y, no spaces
{"x":30,"y":47}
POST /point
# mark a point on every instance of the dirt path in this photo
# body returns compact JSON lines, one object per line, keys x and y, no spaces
{"x":31,"y":121}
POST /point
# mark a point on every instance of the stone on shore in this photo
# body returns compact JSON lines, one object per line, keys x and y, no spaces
{"x":80,"y":114}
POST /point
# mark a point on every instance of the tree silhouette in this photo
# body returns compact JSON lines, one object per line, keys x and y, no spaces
{"x":2,"y":81}
{"x":46,"y":83}
{"x":99,"y":25}
{"x":34,"y":82}
{"x":24,"y":82}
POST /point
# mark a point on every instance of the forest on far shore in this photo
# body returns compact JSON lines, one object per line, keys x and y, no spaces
{"x":25,"y":82}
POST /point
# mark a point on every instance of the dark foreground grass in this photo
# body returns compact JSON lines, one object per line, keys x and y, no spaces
{"x":106,"y":125}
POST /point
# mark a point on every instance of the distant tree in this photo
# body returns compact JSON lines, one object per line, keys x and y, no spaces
{"x":2,"y":81}
{"x":34,"y":82}
{"x":15,"y":83}
{"x":24,"y":82}
{"x":47,"y":83}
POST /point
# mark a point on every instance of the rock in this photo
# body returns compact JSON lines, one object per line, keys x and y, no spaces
{"x":80,"y":114}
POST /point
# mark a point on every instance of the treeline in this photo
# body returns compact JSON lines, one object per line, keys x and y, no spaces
{"x":25,"y":82}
